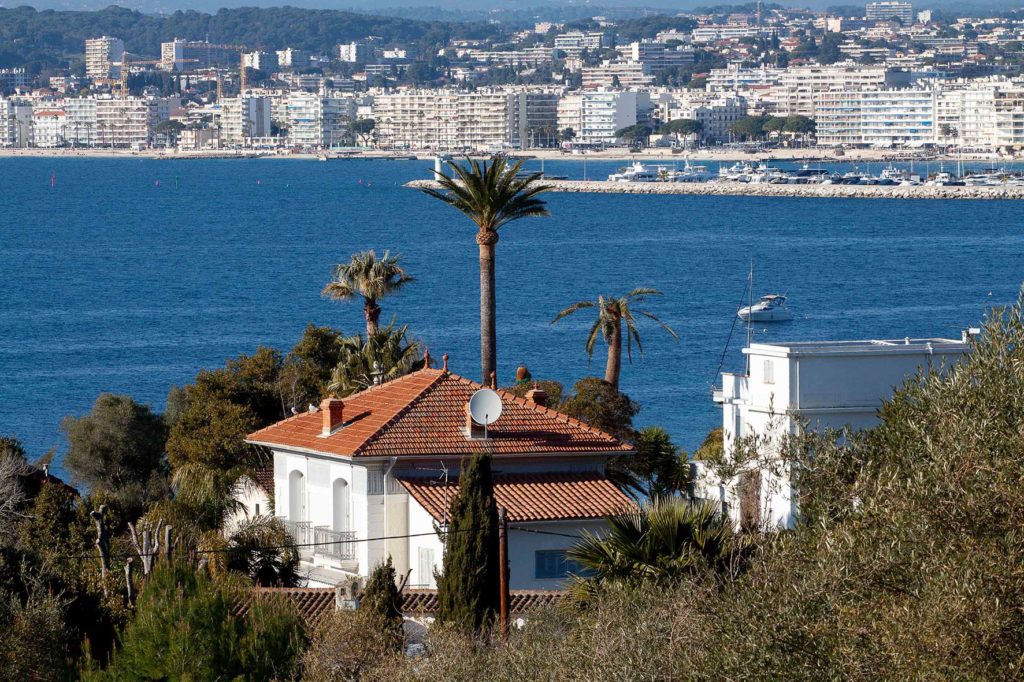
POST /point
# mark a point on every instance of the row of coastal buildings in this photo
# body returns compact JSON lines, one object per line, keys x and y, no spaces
{"x":851,"y":104}
{"x":373,"y":475}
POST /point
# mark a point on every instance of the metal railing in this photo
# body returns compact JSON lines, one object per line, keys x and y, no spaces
{"x":301,"y":532}
{"x":336,"y":544}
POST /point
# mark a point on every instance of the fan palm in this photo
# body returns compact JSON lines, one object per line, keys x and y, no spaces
{"x":491,"y":195}
{"x":665,"y":539}
{"x":372,"y":278}
{"x":612,"y":312}
{"x":384,"y":355}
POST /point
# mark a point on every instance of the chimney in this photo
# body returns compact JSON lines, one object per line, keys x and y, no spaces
{"x":333,"y":410}
{"x":473,"y":430}
{"x":537,"y":395}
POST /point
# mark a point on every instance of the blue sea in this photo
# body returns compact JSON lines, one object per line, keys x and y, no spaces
{"x":130,"y":275}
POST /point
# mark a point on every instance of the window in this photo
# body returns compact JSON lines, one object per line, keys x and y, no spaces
{"x":552,"y":563}
{"x":769,"y":372}
{"x":426,"y":567}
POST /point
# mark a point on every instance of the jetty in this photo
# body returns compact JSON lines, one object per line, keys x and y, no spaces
{"x":814,"y":191}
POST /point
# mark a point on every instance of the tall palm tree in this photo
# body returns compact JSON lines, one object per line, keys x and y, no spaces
{"x":491,"y":195}
{"x":372,"y":278}
{"x":612,"y":312}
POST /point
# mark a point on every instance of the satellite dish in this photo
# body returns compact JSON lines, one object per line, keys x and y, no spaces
{"x":485,"y":407}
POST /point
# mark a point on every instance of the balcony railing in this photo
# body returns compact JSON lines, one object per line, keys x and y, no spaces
{"x":336,"y":544}
{"x":301,"y":532}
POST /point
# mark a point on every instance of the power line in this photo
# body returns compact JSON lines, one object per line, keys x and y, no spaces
{"x":546,"y":532}
{"x":228,"y":550}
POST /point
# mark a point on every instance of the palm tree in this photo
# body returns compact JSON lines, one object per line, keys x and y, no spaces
{"x":611,"y":313}
{"x":491,"y":195}
{"x":370,"y":277}
{"x":666,"y":539}
{"x":385,"y":355}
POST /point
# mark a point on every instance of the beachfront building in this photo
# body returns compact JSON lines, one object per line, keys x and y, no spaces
{"x":81,"y":120}
{"x":716,"y":112}
{"x":103,"y":57}
{"x":244,"y":118}
{"x":595,"y":115}
{"x":373,"y":476}
{"x":128,"y":122}
{"x":486,"y":120}
{"x":49,"y":128}
{"x":314,"y":120}
{"x":877,"y":117}
{"x":814,"y":385}
{"x":797,"y":87}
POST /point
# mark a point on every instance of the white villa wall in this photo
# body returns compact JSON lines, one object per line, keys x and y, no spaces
{"x":522,"y":548}
{"x":255,"y":502}
{"x":421,"y":522}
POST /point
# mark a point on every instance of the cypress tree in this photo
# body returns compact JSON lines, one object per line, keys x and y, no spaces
{"x":468,"y":589}
{"x":382,"y":600}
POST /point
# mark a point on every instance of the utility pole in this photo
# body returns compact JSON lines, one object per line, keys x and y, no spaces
{"x":503,"y":576}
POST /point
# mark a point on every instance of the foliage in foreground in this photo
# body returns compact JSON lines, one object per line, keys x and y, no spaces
{"x":905,"y":563}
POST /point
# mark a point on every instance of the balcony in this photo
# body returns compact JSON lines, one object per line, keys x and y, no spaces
{"x":334,"y":544}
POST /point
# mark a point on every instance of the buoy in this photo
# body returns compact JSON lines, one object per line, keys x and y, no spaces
{"x":53,"y":179}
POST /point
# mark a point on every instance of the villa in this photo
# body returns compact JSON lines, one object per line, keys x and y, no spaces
{"x":370,"y":476}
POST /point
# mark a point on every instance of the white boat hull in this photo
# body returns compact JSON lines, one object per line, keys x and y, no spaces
{"x":769,"y":315}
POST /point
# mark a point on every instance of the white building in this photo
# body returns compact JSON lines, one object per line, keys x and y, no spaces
{"x":244,"y":118}
{"x":823,"y":384}
{"x":81,"y":120}
{"x":611,"y":74}
{"x":657,"y":56}
{"x":101,"y":56}
{"x":261,"y":61}
{"x":886,"y":11}
{"x":876,"y":117}
{"x":374,"y":475}
{"x":595,"y":115}
{"x":128,"y":122}
{"x":49,"y":128}
{"x":317,"y":121}
{"x":354,"y":52}
{"x":574,"y":42}
{"x":709,"y":34}
{"x":292,"y":58}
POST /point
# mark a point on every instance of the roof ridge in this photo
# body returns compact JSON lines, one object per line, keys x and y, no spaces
{"x":415,"y":399}
{"x":544,"y":409}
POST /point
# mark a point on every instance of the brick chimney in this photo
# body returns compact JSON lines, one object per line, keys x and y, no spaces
{"x":333,"y":410}
{"x":537,"y":395}
{"x":473,"y":430}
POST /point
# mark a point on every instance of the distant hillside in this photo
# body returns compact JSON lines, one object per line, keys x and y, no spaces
{"x":41,"y":39}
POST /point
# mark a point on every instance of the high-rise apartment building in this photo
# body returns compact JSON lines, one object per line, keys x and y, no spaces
{"x":887,"y":11}
{"x":103,"y":57}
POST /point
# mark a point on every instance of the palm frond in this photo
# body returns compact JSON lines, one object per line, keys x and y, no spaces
{"x":579,"y":305}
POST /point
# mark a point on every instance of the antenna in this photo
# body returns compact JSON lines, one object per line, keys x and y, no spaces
{"x":485,"y":408}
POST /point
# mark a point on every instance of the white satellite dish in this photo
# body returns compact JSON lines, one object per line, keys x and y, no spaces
{"x":485,"y":407}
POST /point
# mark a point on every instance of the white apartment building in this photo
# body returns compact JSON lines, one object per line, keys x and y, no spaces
{"x":798,"y":86}
{"x":823,"y":384}
{"x":244,"y":118}
{"x":488,"y":120}
{"x":715,"y":112}
{"x":81,"y":120}
{"x":595,"y":115}
{"x":128,"y":122}
{"x":15,"y":123}
{"x":613,"y":74}
{"x":657,"y":56}
{"x":735,"y":77}
{"x":261,"y":61}
{"x":574,"y":42}
{"x":49,"y":128}
{"x":983,"y":113}
{"x":292,"y":58}
{"x":354,"y":52}
{"x":876,"y":117}
{"x":886,"y":11}
{"x":101,"y":56}
{"x":317,"y":121}
{"x":709,"y":34}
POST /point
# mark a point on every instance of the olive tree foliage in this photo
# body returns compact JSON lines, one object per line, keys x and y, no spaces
{"x":13,"y":468}
{"x":118,"y":447}
{"x":904,"y":564}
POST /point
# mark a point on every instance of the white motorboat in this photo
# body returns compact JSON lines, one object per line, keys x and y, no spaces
{"x":641,"y":173}
{"x":771,"y":308}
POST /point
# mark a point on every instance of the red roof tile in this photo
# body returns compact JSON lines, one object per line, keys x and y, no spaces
{"x":532,"y":497}
{"x":423,"y":413}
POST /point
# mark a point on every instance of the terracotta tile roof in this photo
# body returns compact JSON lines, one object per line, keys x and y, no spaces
{"x":424,"y":602}
{"x":264,"y":479}
{"x":423,"y":414}
{"x":312,"y":603}
{"x":531,"y":497}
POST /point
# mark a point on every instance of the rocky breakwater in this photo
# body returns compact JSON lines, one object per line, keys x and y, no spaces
{"x":766,"y":190}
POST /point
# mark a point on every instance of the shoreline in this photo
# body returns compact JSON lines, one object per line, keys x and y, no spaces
{"x":920,"y":192}
{"x":650,"y":155}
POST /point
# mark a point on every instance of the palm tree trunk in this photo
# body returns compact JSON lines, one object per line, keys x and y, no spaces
{"x":488,"y":334}
{"x":614,"y":366}
{"x":371,"y":311}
